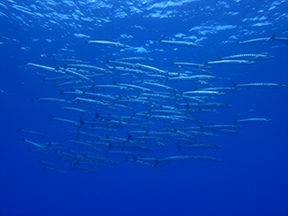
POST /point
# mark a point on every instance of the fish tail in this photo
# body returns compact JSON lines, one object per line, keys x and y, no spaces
{"x":82,"y":122}
{"x":51,"y":117}
{"x":179,"y":148}
{"x":172,"y":62}
{"x":61,"y":91}
{"x":26,"y":61}
{"x":54,"y":59}
{"x":86,"y":41}
{"x":58,"y":107}
{"x":272,"y":37}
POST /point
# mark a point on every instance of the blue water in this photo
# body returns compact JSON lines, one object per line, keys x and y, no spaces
{"x":251,"y":178}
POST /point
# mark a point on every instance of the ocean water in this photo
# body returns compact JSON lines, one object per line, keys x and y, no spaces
{"x":65,"y":174}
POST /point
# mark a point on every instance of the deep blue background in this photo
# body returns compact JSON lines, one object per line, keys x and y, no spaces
{"x":250,"y":180}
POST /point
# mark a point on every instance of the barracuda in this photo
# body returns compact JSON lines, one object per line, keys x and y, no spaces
{"x":249,"y":57}
{"x":180,"y":43}
{"x":230,"y":62}
{"x":106,"y":43}
{"x":252,"y":120}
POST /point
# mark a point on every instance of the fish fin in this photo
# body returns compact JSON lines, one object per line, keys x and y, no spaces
{"x":172,"y":62}
{"x":65,"y":66}
{"x":82,"y":122}
{"x":51,"y":117}
{"x":86,"y":41}
{"x":129,"y":136}
{"x":97,"y":115}
{"x":42,"y":78}
{"x":272,"y":37}
{"x":110,"y":146}
{"x":58,"y":107}
{"x":26,"y":61}
{"x":179,"y":148}
{"x":61,"y":91}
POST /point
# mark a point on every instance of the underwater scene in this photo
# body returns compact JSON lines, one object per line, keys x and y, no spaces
{"x":143,"y":108}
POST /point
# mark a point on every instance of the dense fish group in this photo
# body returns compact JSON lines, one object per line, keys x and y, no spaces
{"x":131,"y":109}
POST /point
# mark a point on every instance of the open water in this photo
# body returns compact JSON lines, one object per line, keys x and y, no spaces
{"x":105,"y":143}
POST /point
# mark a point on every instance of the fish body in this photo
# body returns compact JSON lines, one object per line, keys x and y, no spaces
{"x":32,"y":132}
{"x":189,"y":64}
{"x":65,"y":60}
{"x":282,"y":39}
{"x":230,"y":62}
{"x":106,"y":43}
{"x":249,"y":57}
{"x":180,"y":43}
{"x":252,"y":120}
{"x":44,"y":67}
{"x":57,"y":100}
{"x":135,"y":59}
{"x":74,"y":109}
{"x":260,"y":85}
{"x":196,"y":146}
{"x":257,"y":40}
{"x":34,"y":144}
{"x":149,"y":68}
{"x":203,"y":92}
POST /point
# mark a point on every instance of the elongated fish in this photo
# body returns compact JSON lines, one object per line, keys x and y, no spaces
{"x":34,"y":144}
{"x":44,"y":67}
{"x":135,"y":59}
{"x":57,"y":100}
{"x":282,"y":39}
{"x":260,"y":85}
{"x":88,"y":67}
{"x":55,"y":169}
{"x":258,"y":40}
{"x":45,"y":163}
{"x":221,"y":89}
{"x":32,"y":132}
{"x":230,"y":62}
{"x":196,"y":146}
{"x":62,"y":120}
{"x":189,"y":64}
{"x":74,"y":109}
{"x":180,"y":43}
{"x":194,"y":77}
{"x":252,"y":120}
{"x":249,"y":57}
{"x":67,"y":60}
{"x":202,"y":92}
{"x":149,"y":68}
{"x":106,"y":43}
{"x":74,"y":73}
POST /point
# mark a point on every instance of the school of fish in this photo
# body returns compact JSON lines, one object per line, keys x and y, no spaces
{"x":129,"y":109}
